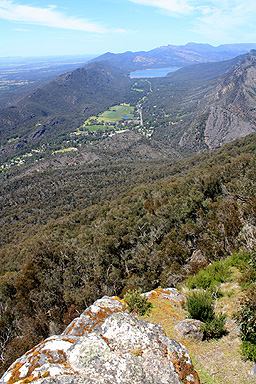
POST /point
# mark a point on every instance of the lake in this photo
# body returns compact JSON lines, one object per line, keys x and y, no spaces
{"x":153,"y":72}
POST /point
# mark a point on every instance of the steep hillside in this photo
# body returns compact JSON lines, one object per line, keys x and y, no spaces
{"x":71,"y":234}
{"x":232,"y":113}
{"x":204,"y":106}
{"x":62,"y":105}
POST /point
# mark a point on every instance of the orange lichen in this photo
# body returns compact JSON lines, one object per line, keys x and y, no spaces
{"x":81,"y":329}
{"x":184,"y":369}
{"x":15,"y":373}
{"x":120,"y":300}
{"x":136,"y":352}
{"x":160,"y":290}
{"x":53,"y":359}
{"x":46,"y":374}
{"x":29,"y":379}
{"x":70,"y":340}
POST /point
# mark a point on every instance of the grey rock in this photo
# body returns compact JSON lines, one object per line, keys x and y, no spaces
{"x":105,"y":345}
{"x":94,"y":315}
{"x":190,"y":328}
{"x":171,"y":294}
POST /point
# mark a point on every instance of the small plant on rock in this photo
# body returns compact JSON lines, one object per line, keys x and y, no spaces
{"x":137,"y":302}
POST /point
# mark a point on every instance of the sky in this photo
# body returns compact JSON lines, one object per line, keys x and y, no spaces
{"x":93,"y":27}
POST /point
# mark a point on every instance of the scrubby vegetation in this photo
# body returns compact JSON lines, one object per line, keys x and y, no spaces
{"x":85,"y":231}
{"x":137,"y":302}
{"x":200,"y":306}
{"x":246,"y":315}
{"x":211,"y":277}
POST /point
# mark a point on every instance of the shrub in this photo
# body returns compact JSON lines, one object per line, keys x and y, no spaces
{"x":246,"y":317}
{"x":249,"y":272}
{"x":212,"y":276}
{"x":239,"y":260}
{"x":200,"y":306}
{"x":201,"y":280}
{"x":215,"y":328}
{"x":137,"y":302}
{"x":248,"y":350}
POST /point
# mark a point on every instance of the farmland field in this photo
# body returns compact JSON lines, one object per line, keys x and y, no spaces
{"x":116,"y":113}
{"x":113,"y":115}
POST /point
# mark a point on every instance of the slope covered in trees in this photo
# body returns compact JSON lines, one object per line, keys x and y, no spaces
{"x":65,"y":245}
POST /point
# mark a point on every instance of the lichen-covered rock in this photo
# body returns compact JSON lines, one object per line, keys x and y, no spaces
{"x":171,"y":294}
{"x":105,"y":345}
{"x":190,"y":328}
{"x":94,"y":315}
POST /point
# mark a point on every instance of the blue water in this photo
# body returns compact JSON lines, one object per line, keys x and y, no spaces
{"x":126,"y":117}
{"x":154,"y":72}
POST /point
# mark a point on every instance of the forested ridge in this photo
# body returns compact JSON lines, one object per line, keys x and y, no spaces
{"x":64,"y":245}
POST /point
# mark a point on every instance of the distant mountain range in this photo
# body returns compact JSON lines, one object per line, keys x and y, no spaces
{"x":198,"y":107}
{"x":175,"y":55}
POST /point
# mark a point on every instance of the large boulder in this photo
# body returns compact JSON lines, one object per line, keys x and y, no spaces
{"x":190,"y":328}
{"x":105,"y":345}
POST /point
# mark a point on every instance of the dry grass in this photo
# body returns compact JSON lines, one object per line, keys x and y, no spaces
{"x":216,"y":361}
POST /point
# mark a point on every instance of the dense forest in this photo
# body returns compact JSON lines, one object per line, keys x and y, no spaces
{"x":73,"y":234}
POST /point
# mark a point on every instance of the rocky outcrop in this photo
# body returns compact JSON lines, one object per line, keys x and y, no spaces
{"x":105,"y":345}
{"x":190,"y":328}
{"x":171,"y":294}
{"x":223,"y":126}
{"x":232,"y":114}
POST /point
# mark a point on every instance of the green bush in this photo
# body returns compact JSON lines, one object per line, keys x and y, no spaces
{"x":248,"y":350}
{"x":212,"y":276}
{"x":239,"y":260}
{"x":200,"y":306}
{"x":137,"y":302}
{"x":215,"y":328}
{"x":246,"y":317}
{"x":248,"y":272}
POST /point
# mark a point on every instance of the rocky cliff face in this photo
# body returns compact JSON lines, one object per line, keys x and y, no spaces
{"x":105,"y":345}
{"x":232,"y":112}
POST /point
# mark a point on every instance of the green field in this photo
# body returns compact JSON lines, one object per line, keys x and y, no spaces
{"x":113,"y":115}
{"x":117,"y":113}
{"x":65,"y":150}
{"x":142,"y":86}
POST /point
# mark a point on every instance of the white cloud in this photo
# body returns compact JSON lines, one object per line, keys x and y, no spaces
{"x":21,"y":30}
{"x":49,"y":17}
{"x":171,"y":6}
{"x":213,"y":19}
{"x":229,"y":19}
